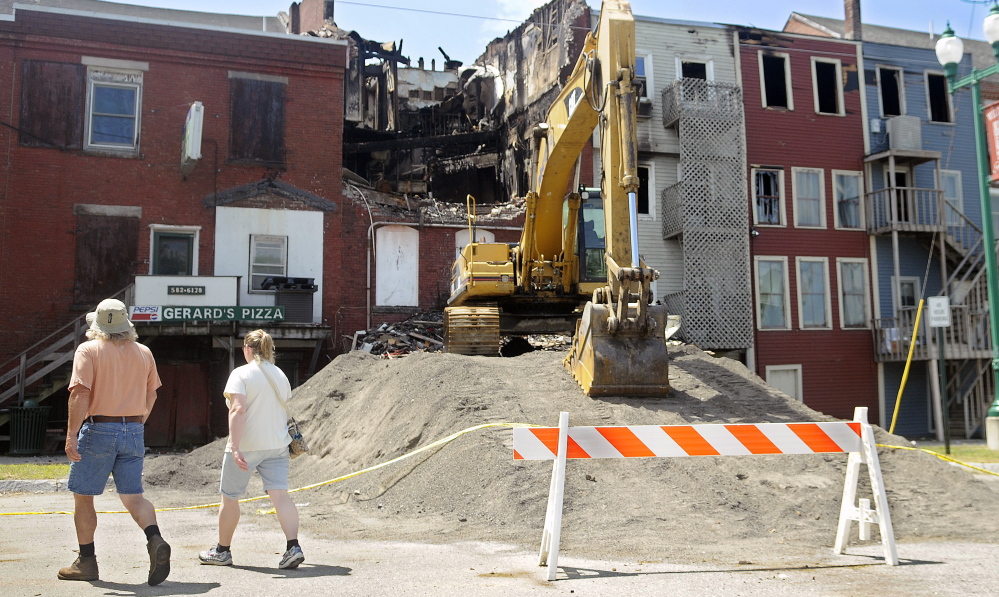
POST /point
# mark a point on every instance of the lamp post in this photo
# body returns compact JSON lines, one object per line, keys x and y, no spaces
{"x":950,"y":49}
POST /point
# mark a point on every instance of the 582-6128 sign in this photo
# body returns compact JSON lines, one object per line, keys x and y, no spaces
{"x":225,"y":313}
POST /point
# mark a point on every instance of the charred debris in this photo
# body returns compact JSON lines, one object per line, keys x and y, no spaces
{"x":442,"y":130}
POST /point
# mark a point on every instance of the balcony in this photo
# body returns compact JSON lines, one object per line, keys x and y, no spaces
{"x":697,"y":98}
{"x":905,"y":209}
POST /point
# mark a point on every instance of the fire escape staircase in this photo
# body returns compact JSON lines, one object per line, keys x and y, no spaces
{"x":45,"y":367}
{"x":967,"y":345}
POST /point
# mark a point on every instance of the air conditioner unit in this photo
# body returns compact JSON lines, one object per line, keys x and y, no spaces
{"x":644,"y":106}
{"x":904,"y":132}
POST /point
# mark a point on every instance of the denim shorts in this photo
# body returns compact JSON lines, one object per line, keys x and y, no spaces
{"x":108,"y":449}
{"x":271,"y":464}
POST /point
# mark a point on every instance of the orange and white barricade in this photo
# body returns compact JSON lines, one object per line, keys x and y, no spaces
{"x":669,"y":441}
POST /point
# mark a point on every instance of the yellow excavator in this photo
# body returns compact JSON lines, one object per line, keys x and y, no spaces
{"x":577,"y":267}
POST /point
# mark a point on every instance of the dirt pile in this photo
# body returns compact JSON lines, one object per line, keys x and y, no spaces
{"x":362,"y":410}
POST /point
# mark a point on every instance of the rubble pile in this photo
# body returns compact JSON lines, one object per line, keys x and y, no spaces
{"x":420,"y":333}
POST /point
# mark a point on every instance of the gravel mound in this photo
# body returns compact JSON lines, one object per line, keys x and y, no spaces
{"x":362,"y":410}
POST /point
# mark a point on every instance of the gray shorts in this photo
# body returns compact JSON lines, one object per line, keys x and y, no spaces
{"x":272,"y":465}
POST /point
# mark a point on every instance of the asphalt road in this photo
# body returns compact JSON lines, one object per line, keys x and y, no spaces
{"x":34,"y":547}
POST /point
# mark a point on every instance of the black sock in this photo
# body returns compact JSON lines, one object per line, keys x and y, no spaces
{"x":151,"y":531}
{"x":291,"y":543}
{"x":87,"y":551}
{"x":222,"y":548}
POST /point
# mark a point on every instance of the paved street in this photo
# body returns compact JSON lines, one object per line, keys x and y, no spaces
{"x":33,"y":548}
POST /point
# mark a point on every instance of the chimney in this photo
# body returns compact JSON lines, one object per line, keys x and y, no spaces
{"x":420,"y":62}
{"x":851,"y":22}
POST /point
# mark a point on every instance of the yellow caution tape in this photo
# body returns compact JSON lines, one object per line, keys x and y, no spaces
{"x":430,"y":446}
{"x":941,"y":457}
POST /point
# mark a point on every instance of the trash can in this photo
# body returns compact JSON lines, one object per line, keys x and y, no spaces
{"x":27,"y":429}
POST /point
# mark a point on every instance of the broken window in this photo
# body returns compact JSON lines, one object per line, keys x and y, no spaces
{"x":828,"y":86}
{"x":846,"y":189}
{"x":775,"y":81}
{"x":694,"y":70}
{"x":51,"y":104}
{"x":936,"y":88}
{"x":256,"y":118}
{"x":268,"y":258}
{"x":643,"y":190}
{"x":113,"y":100}
{"x":767,"y":196}
{"x":890,"y":91}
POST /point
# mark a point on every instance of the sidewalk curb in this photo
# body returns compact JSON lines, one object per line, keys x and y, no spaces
{"x":40,"y":486}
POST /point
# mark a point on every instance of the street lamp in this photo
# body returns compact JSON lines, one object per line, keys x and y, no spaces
{"x":950,"y":50}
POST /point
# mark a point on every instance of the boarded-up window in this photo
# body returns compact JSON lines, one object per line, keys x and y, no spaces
{"x":257,"y":120}
{"x":51,"y":104}
{"x":106,"y":251}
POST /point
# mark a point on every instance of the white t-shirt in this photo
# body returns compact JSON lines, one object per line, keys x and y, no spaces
{"x":266,"y":425}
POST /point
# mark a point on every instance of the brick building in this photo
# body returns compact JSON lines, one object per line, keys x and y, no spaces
{"x":96,"y":201}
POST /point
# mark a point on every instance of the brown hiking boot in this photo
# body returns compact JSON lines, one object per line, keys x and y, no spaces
{"x":84,"y":568}
{"x":159,"y":559}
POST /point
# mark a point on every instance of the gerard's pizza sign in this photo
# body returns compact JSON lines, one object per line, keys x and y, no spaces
{"x":159,"y":314}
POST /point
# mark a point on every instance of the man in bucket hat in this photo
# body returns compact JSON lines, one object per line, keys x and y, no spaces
{"x":112,"y":391}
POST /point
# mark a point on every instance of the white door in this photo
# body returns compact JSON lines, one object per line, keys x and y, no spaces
{"x":786,"y":378}
{"x":397,"y":267}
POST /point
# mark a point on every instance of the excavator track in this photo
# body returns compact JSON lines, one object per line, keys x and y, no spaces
{"x":472,"y":330}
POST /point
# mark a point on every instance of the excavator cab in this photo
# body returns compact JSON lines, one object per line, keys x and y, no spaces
{"x":591,"y":238}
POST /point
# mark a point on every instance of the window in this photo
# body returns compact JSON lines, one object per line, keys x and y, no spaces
{"x":256,"y":115}
{"x":890,"y":91}
{"x":950,"y":182}
{"x":848,"y":188}
{"x":268,"y":257}
{"x":428,"y":95}
{"x":174,"y":250}
{"x":775,"y":80}
{"x":938,"y":99}
{"x":772,"y":295}
{"x":51,"y":97}
{"x":113,"y":101}
{"x":907,"y":294}
{"x":827,"y":86}
{"x":813,"y":293}
{"x":768,"y":195}
{"x":643,"y":74}
{"x":414,"y":94}
{"x":438,"y":94}
{"x":786,"y":378}
{"x":854,"y":308}
{"x":693,"y":70}
{"x":809,"y":197}
{"x":646,"y":191}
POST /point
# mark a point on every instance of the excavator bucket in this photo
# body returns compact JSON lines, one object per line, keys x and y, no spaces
{"x":623,"y":362}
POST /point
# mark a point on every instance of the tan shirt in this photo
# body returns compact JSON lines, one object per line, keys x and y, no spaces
{"x":119,"y":375}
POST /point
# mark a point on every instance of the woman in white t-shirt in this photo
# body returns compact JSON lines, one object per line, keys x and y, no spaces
{"x":256,"y":394}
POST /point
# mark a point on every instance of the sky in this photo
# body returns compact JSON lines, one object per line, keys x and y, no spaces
{"x":463,"y":29}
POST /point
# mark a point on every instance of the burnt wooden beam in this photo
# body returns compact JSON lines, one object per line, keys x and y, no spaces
{"x":415,"y":142}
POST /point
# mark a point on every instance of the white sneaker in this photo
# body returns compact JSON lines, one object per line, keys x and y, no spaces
{"x":292,"y":558}
{"x":213,"y":557}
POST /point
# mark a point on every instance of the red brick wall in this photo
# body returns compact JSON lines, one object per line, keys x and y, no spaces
{"x":838,"y":368}
{"x":39,"y":187}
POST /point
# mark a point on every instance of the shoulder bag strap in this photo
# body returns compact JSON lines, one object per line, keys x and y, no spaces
{"x":280,"y":398}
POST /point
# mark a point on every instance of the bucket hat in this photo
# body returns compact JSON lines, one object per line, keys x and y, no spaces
{"x":111,"y":317}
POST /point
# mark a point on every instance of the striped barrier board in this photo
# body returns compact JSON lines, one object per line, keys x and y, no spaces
{"x":652,"y":441}
{"x":855,"y":438}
